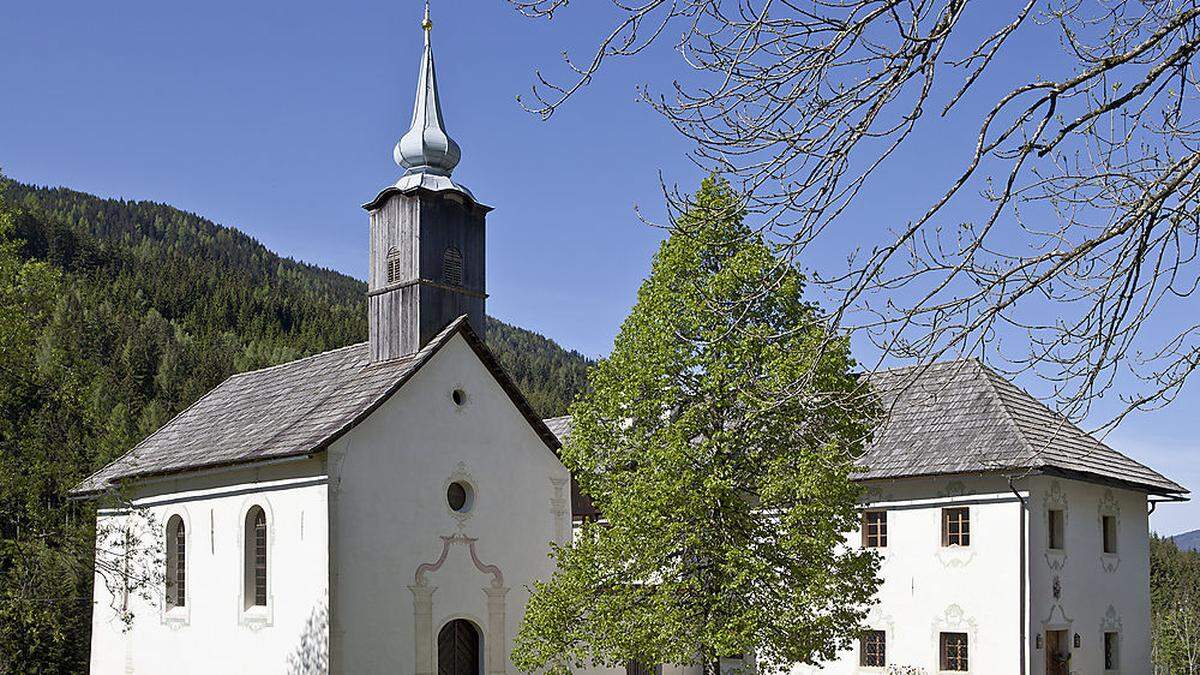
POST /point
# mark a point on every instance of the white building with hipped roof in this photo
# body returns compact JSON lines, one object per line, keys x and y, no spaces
{"x":384,"y":508}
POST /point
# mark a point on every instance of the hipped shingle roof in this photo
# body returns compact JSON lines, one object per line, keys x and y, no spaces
{"x":961,"y":417}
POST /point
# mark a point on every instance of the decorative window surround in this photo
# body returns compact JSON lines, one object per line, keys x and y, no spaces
{"x":954,"y":620}
{"x":461,"y":475}
{"x":255,"y":617}
{"x":1055,"y":500}
{"x":949,"y":553}
{"x":1110,"y":509}
{"x":178,"y":616}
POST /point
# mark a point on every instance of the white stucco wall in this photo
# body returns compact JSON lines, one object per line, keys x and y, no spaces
{"x":1097,"y":592}
{"x":404,"y":564}
{"x":212,"y":633}
{"x":927,"y":589}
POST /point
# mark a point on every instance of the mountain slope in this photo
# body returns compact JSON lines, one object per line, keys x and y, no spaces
{"x":1188,"y":541}
{"x":219,"y":285}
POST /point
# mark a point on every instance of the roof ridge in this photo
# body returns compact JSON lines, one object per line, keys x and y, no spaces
{"x":932,"y":364}
{"x":295,"y":361}
{"x":990,"y":377}
{"x":1068,"y":424}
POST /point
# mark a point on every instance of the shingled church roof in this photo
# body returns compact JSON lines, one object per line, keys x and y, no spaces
{"x":290,"y":410}
{"x":961,"y":417}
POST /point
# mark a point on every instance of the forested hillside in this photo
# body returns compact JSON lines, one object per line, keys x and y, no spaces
{"x":241,"y":305}
{"x":114,"y":315}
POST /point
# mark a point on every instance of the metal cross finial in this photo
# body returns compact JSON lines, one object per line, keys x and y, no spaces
{"x":426,"y":23}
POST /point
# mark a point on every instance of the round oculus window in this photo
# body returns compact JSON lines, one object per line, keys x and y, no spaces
{"x":458,"y":396}
{"x":458,"y":496}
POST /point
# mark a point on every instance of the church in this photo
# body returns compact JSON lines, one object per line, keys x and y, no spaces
{"x":384,"y":507}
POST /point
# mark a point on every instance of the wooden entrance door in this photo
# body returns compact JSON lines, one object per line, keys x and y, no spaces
{"x":1058,"y":653}
{"x":458,"y":649}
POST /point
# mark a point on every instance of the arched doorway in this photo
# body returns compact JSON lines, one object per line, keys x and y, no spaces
{"x":458,"y":649}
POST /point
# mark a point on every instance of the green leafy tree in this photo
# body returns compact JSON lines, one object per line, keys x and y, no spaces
{"x":725,"y":492}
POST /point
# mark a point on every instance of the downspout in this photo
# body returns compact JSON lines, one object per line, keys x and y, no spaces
{"x":1021,"y":566}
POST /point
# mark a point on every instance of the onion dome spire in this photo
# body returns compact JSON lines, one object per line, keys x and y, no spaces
{"x":427,"y":148}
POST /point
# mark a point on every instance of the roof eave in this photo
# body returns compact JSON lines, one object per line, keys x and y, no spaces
{"x":1177,"y":491}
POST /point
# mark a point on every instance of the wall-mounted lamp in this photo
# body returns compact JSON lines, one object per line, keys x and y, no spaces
{"x":1037,"y":641}
{"x":1077,"y":641}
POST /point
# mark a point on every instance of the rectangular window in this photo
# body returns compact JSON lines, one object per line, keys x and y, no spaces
{"x":1111,"y":661}
{"x":954,"y":651}
{"x":872,"y":649}
{"x":874,"y":528}
{"x":956,"y":527}
{"x":1108,"y":525}
{"x":1054,"y":523}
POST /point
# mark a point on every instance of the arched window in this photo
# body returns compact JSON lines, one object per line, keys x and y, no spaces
{"x":452,"y":266}
{"x":255,"y":591}
{"x":176,"y":563}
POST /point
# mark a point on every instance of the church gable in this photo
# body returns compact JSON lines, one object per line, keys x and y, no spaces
{"x":291,"y":410}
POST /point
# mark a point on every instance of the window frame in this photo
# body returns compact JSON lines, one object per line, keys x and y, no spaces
{"x":1056,"y":529}
{"x":169,"y":612}
{"x":175,"y":578}
{"x":960,"y":661}
{"x":1112,"y":651}
{"x":960,"y":517}
{"x":1108,"y":535}
{"x":879,"y":537}
{"x":872,"y":655}
{"x":259,"y":557}
{"x":250,"y":613}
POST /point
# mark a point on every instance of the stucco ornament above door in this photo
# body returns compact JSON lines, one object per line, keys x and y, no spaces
{"x":495,"y":633}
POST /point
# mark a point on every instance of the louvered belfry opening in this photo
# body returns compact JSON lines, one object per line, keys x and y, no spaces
{"x":395,"y":269}
{"x":458,"y":649}
{"x":452,"y":266}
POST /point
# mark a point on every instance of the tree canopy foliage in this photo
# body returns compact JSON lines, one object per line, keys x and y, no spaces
{"x":1175,"y":608}
{"x":725,"y":492}
{"x":114,"y":316}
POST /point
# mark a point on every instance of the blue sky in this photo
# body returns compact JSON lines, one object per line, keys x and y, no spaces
{"x":279,"y":119}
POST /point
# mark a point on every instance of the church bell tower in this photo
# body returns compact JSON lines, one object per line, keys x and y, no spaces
{"x":427,"y":235}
